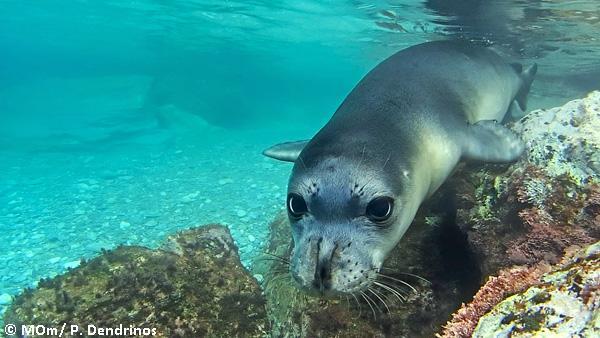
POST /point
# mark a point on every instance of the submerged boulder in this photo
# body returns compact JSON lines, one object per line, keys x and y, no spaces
{"x":565,"y":140}
{"x":551,"y":301}
{"x":534,"y":209}
{"x":565,"y":302}
{"x":194,"y":287}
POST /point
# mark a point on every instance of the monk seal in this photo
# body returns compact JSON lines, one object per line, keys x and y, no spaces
{"x":356,"y":185}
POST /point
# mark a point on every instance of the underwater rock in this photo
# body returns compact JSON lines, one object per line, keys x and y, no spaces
{"x":565,"y":140}
{"x":195,"y":286}
{"x":521,"y":219}
{"x":558,"y":301}
{"x":534,"y":209}
{"x":522,"y":215}
{"x":566,"y":302}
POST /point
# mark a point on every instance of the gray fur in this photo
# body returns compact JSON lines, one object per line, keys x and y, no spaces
{"x":399,"y":133}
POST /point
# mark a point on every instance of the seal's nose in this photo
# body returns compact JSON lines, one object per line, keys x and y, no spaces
{"x":322,"y":279}
{"x":324,"y":255}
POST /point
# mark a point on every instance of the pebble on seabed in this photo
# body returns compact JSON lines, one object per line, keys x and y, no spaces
{"x":5,"y":299}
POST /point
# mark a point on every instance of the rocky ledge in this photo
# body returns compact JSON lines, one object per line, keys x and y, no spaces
{"x":193,"y":287}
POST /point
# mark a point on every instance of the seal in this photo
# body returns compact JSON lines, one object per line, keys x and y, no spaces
{"x":356,"y":185}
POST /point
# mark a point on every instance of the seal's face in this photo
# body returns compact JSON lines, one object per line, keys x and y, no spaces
{"x":342,"y":225}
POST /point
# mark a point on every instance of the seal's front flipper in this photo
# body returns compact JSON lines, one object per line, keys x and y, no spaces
{"x":492,"y":142}
{"x":526,"y":76}
{"x":287,"y":151}
{"x":514,"y":113}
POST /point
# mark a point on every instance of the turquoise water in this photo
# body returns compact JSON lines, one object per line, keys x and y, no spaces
{"x":125,"y":121}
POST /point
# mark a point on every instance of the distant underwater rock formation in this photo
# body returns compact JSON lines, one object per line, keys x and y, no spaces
{"x":194,"y":287}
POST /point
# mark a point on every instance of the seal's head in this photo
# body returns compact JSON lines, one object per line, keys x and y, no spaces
{"x":344,"y":222}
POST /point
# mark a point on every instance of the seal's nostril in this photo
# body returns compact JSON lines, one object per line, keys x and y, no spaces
{"x":322,"y":278}
{"x":323,"y":273}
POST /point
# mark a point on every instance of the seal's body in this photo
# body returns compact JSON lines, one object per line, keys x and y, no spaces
{"x":356,"y":185}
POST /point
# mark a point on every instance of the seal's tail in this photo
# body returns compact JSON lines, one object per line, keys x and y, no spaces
{"x":526,"y":76}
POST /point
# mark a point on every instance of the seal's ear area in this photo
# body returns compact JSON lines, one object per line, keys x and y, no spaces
{"x":287,"y":151}
{"x":491,"y":142}
{"x":526,"y":76}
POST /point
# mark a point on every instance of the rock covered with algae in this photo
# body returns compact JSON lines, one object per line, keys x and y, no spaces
{"x":565,"y":140}
{"x":521,"y":219}
{"x":533,"y":210}
{"x":194,"y":287}
{"x":562,"y":300}
{"x":564,"y":303}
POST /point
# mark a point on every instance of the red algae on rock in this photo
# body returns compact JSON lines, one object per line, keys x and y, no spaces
{"x":575,"y":282}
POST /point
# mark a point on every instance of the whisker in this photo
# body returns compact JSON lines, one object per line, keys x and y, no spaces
{"x":369,"y":303}
{"x":271,"y":259}
{"x":347,"y":303}
{"x":386,"y":161}
{"x":399,"y":281}
{"x":367,"y":183}
{"x":302,"y":161}
{"x":280,"y":269}
{"x":362,"y":157}
{"x":417,"y":276}
{"x":374,"y":302}
{"x":408,"y":274}
{"x":394,"y":292}
{"x":358,"y":303}
{"x":380,"y":299}
{"x":283,"y":259}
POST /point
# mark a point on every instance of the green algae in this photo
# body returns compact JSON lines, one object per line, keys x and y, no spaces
{"x":197,"y":289}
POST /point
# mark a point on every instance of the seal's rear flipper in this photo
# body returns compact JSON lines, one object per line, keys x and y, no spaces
{"x":492,"y":142}
{"x":287,"y":151}
{"x":526,"y":76}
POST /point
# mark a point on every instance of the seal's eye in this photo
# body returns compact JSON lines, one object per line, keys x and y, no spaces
{"x":296,"y":205}
{"x":380,"y":209}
